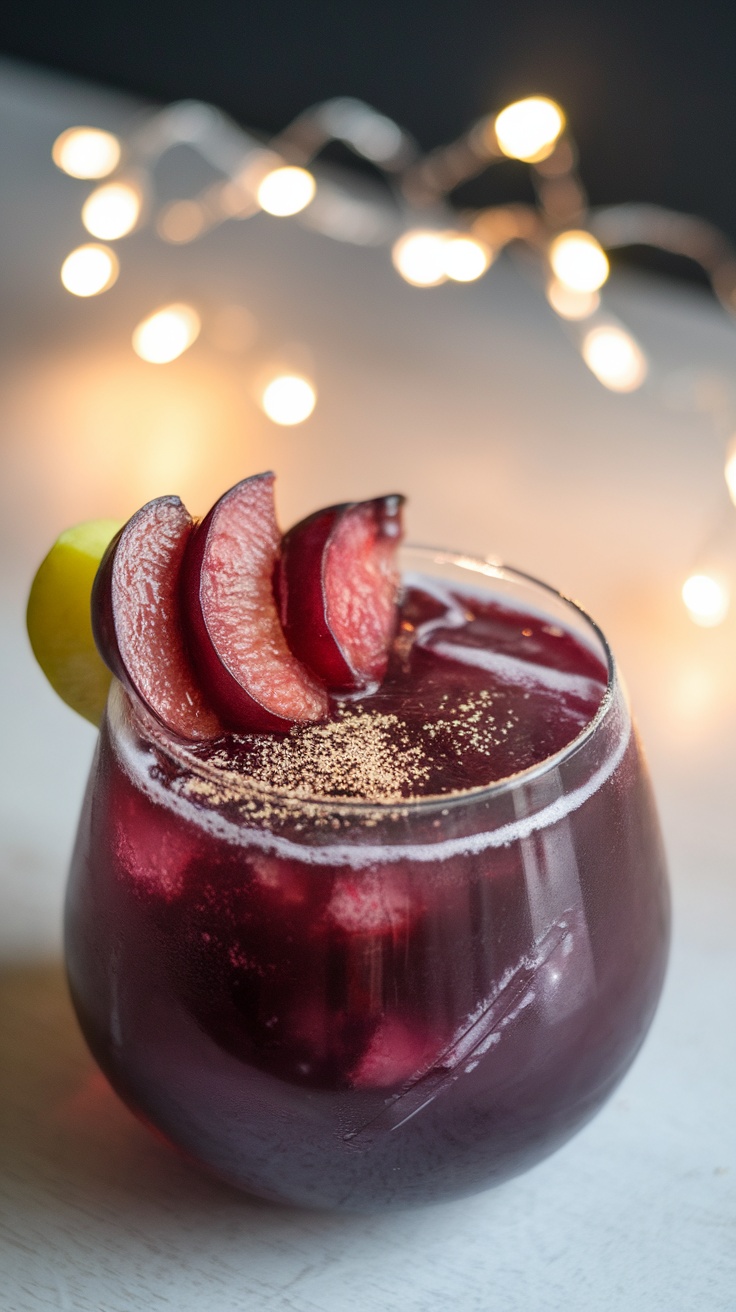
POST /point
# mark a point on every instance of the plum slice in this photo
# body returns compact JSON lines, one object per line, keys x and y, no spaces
{"x":137,"y":620}
{"x":337,"y":583}
{"x":255,"y":681}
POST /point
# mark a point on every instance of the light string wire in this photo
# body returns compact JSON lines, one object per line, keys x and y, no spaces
{"x":431,"y":241}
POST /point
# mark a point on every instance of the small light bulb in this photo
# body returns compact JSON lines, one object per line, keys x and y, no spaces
{"x":528,"y":129}
{"x":288,"y":399}
{"x":112,"y":210}
{"x":89,"y":270}
{"x":579,"y":261}
{"x":166,"y":334}
{"x":569,"y":304}
{"x":617,"y":361}
{"x":706,"y":598}
{"x":465,"y":259}
{"x":420,"y":257}
{"x":730,"y":472}
{"x":286,"y":191}
{"x":86,"y":152}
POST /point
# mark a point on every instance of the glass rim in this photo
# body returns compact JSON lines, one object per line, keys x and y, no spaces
{"x":489,"y":567}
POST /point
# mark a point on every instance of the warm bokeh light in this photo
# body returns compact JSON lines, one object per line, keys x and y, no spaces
{"x":419,"y":257}
{"x":86,"y":152}
{"x":288,"y":399}
{"x":235,"y":201}
{"x":569,"y":304}
{"x":730,"y":472}
{"x":529,"y":129}
{"x":578,"y":261}
{"x":181,"y":221}
{"x":165,"y":335}
{"x":615,"y":358}
{"x":465,"y":259}
{"x":89,"y":270}
{"x":706,"y":599}
{"x":95,"y":430}
{"x":286,"y":191}
{"x":112,"y":211}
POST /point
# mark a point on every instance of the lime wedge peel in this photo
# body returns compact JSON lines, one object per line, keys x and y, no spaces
{"x":58,"y":617}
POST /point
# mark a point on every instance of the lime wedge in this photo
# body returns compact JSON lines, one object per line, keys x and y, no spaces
{"x":58,"y":617}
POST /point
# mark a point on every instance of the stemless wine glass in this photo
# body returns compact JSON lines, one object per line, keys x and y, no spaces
{"x":339,"y":1004}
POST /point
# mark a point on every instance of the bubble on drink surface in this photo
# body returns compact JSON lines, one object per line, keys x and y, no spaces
{"x":198,"y":801}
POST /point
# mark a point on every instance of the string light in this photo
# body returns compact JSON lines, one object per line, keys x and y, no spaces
{"x":528,"y":130}
{"x":288,"y":399}
{"x":570,"y":304}
{"x":286,"y":191}
{"x":706,"y":599}
{"x":419,"y":257}
{"x":166,"y":334}
{"x":86,"y":153}
{"x":370,"y":134}
{"x":254,"y":177}
{"x":89,"y":270}
{"x":617,"y":361}
{"x":578,"y":261}
{"x":112,"y":211}
{"x":465,"y":259}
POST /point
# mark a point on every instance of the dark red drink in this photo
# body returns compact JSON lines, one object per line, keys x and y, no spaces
{"x":391,"y":958}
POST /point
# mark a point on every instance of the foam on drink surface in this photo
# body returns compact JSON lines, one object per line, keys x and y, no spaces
{"x":474,"y":692}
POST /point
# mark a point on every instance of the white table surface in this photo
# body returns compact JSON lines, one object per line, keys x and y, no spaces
{"x":472,"y":401}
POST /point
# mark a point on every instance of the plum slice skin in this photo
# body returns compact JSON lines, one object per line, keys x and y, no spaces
{"x":256,"y":683}
{"x":337,"y":585}
{"x":137,"y":618}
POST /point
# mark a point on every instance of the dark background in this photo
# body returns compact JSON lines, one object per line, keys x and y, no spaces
{"x":650,"y":89}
